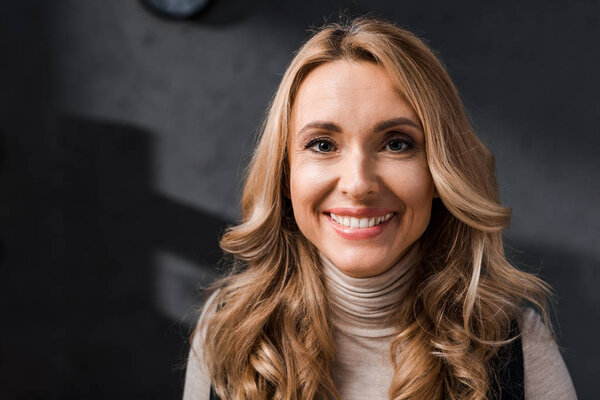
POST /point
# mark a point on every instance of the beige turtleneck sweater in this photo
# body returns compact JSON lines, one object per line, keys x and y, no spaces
{"x":362,"y":367}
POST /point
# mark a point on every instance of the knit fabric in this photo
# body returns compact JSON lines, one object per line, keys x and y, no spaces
{"x":362,"y":368}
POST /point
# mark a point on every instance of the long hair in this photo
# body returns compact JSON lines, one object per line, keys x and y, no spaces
{"x":267,"y":333}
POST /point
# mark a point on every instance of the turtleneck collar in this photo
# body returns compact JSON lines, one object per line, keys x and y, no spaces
{"x":362,"y":306}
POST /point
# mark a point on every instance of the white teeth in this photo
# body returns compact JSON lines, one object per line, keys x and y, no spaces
{"x":360,"y":223}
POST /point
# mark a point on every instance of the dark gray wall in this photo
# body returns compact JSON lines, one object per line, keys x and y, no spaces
{"x":124,"y":137}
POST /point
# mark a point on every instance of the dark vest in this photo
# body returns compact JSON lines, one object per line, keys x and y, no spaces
{"x":508,"y":366}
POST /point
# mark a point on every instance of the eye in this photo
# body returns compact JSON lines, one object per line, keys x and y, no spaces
{"x":320,"y":146}
{"x":398,"y":145}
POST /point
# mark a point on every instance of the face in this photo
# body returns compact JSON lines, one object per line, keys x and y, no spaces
{"x":360,"y":186}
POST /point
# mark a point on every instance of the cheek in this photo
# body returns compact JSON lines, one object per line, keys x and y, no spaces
{"x":309,"y":185}
{"x":413,"y":184}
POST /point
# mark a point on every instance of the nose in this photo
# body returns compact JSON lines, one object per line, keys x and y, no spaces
{"x":358,"y":178}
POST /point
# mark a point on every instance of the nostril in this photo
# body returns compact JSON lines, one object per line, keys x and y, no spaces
{"x":359,"y":189}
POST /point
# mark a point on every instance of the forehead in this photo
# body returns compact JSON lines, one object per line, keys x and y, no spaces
{"x":349,"y":93}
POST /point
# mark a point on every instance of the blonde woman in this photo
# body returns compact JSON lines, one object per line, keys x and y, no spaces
{"x":369,"y":259}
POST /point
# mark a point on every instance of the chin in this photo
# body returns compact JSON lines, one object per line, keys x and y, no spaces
{"x":362,"y":272}
{"x":365,"y":268}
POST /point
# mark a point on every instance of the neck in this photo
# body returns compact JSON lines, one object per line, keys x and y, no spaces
{"x":364,"y":306}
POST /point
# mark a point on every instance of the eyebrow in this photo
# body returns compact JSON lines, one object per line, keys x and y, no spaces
{"x":326,"y":126}
{"x":381,"y":126}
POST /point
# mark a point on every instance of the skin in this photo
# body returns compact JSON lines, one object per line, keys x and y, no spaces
{"x":341,"y":157}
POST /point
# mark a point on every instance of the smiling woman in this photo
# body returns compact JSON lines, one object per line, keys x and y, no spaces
{"x":360,"y":187}
{"x":369,"y":259}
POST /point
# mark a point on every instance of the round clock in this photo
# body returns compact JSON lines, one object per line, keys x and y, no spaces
{"x":178,"y":9}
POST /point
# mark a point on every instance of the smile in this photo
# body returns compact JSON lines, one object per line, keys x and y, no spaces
{"x":360,"y":223}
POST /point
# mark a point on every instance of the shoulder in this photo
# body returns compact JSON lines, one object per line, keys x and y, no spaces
{"x":197,"y":378}
{"x":546,"y":375}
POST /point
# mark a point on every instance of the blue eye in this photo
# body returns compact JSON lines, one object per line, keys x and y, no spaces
{"x":397,"y":145}
{"x":320,"y":146}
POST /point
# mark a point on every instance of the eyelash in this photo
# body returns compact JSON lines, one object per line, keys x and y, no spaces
{"x":408,"y":143}
{"x":316,"y":141}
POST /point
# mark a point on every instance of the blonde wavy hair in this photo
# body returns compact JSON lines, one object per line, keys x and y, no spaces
{"x":268,"y":335}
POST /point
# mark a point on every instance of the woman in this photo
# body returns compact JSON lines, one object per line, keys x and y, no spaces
{"x":370,"y":249}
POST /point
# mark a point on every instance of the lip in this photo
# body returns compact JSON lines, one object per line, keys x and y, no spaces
{"x":354,"y":233}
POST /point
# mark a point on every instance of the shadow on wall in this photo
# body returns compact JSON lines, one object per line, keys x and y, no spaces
{"x":91,"y":323}
{"x":103,"y":317}
{"x":578,"y":310}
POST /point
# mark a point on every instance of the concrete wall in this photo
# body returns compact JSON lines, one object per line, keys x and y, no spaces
{"x":125,"y":137}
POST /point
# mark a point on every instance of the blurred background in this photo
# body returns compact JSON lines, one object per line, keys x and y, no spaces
{"x":125,"y":131}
